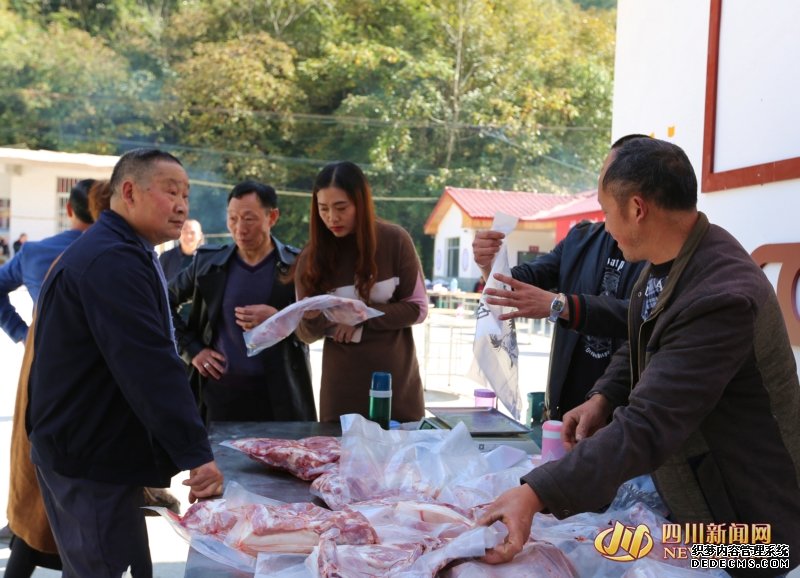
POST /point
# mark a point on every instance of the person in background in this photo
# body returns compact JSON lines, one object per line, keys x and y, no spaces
{"x":352,"y":254}
{"x":480,"y":285}
{"x":5,"y":250}
{"x":31,"y":540}
{"x":99,"y":198}
{"x":175,"y":260}
{"x":705,"y":396}
{"x":21,"y":240}
{"x":104,"y":357}
{"x":232,"y":289}
{"x":563,"y":285}
{"x":32,"y":260}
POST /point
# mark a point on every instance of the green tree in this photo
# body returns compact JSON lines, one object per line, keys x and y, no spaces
{"x":64,"y":89}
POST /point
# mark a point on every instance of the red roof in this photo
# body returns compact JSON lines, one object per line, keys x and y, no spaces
{"x":482,"y":204}
{"x":578,"y":204}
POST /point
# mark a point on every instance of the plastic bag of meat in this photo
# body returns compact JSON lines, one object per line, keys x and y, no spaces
{"x":399,"y":464}
{"x":399,"y":560}
{"x":305,"y":458}
{"x":378,"y":560}
{"x":296,"y":528}
{"x":537,"y":560}
{"x":575,"y":536}
{"x":204,"y":526}
{"x":284,"y":322}
{"x":233,"y":529}
{"x":414,"y":522}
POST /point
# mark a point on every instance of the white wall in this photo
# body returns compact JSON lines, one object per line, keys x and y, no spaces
{"x":660,"y":82}
{"x":520,"y":241}
{"x":33,"y":202}
{"x":32,"y":190}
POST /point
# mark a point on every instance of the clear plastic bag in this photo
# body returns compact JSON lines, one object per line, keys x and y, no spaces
{"x":400,"y":465}
{"x":284,"y":322}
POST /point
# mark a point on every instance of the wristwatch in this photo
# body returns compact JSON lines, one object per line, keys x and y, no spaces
{"x":556,"y":307}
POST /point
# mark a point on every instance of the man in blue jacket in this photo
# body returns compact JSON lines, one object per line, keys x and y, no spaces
{"x":110,"y":409}
{"x":30,"y":264}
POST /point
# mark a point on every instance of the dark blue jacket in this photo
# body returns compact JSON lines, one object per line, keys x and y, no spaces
{"x":575,"y":267}
{"x":109,"y":397}
{"x":28,"y":268}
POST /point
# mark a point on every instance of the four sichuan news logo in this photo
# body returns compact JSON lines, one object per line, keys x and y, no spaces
{"x":622,"y":543}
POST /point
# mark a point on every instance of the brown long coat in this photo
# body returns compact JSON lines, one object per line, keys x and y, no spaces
{"x":26,"y":514}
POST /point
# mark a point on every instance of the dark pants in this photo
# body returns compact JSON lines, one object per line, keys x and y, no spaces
{"x":24,"y":559}
{"x":99,"y":528}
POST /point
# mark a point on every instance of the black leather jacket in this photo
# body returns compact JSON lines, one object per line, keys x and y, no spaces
{"x":203,"y":283}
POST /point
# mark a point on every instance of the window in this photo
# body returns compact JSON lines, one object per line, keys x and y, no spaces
{"x":5,"y":215}
{"x":525,"y":256}
{"x":452,"y":256}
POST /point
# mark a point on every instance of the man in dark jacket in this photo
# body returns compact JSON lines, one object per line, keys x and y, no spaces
{"x":585,"y":268}
{"x":110,"y":409}
{"x":233,"y":288}
{"x":705,"y":395}
{"x":175,"y":260}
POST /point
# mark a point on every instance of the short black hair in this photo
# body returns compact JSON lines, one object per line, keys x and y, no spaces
{"x":658,"y":170}
{"x":135,"y":162}
{"x":623,"y":139}
{"x":265,"y":193}
{"x":79,"y":200}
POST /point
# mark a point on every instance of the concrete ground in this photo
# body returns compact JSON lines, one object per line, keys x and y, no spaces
{"x":445,"y":350}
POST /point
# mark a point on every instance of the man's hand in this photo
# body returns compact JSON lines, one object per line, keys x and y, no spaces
{"x":205,"y":482}
{"x":515,"y":508}
{"x":529,"y":300}
{"x":209,"y":363}
{"x":484,"y":248}
{"x":584,"y":420}
{"x":249,"y":316}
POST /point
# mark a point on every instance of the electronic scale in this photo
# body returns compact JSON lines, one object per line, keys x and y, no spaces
{"x":487,"y":426}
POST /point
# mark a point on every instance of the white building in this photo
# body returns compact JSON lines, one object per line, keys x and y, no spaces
{"x":35,"y":185}
{"x":720,"y":79}
{"x":544,"y":219}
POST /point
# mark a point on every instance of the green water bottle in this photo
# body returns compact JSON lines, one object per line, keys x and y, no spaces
{"x":380,"y":398}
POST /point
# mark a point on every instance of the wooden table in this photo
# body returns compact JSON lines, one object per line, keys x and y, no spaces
{"x":255,"y":477}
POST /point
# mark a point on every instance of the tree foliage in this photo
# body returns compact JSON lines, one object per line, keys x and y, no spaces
{"x":511,"y":94}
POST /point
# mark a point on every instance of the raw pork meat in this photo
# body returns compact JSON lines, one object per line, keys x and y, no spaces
{"x":296,"y":528}
{"x":334,"y":561}
{"x":306,"y":458}
{"x":537,"y":560}
{"x":209,"y":517}
{"x":338,"y":491}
